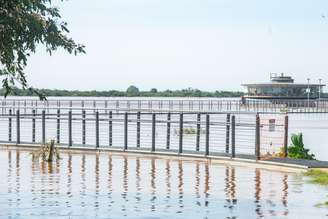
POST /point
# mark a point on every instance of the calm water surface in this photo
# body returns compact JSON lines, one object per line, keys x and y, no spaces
{"x":117,"y":186}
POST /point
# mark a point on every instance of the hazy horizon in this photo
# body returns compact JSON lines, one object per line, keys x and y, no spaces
{"x":205,"y":44}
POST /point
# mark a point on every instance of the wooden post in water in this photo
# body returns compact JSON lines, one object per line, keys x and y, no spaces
{"x":83,"y":127}
{"x":33,"y":125}
{"x":110,"y":128}
{"x":125,"y":131}
{"x":97,"y":129}
{"x":233,"y":137}
{"x":168,"y":130}
{"x":257,"y":137}
{"x":138,"y":129}
{"x":198,"y":131}
{"x":286,"y":136}
{"x":58,"y":126}
{"x":181,"y":133}
{"x":153,"y":132}
{"x":43,"y":121}
{"x":10,"y":126}
{"x":227,"y":133}
{"x":207,"y":137}
{"x":70,"y":142}
{"x":17,"y":127}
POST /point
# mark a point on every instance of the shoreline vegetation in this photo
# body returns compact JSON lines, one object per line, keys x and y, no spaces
{"x":132,"y":91}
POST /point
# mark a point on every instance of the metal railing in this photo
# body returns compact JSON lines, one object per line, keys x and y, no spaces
{"x":221,"y":134}
{"x":166,"y":105}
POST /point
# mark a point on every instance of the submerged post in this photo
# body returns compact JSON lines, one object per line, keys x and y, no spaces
{"x":125,"y":131}
{"x":207,"y":138}
{"x":286,"y":136}
{"x":198,"y":131}
{"x":233,"y":137}
{"x":58,"y":126}
{"x":257,"y":137}
{"x":180,"y":133}
{"x":83,"y":127}
{"x":138,"y":129}
{"x":153,"y":132}
{"x":110,"y":128}
{"x":43,"y":122}
{"x":227,"y":133}
{"x":10,"y":126}
{"x":168,"y":130}
{"x":70,"y":142}
{"x":17,"y":127}
{"x":97,"y":129}
{"x":33,"y":125}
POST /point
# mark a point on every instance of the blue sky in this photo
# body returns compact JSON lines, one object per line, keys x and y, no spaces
{"x":173,"y":44}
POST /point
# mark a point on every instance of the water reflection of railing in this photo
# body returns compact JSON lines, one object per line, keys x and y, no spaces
{"x":70,"y":181}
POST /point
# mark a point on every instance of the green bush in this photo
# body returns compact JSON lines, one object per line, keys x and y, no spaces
{"x":297,"y":150}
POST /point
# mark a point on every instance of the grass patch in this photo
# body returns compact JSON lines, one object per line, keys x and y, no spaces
{"x":318,"y":177}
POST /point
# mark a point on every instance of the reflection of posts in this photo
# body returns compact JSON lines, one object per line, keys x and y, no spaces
{"x":207,"y":184}
{"x":284,"y":198}
{"x":230,"y":187}
{"x":257,"y":194}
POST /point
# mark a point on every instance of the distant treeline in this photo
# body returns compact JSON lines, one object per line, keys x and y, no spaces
{"x":132,"y":91}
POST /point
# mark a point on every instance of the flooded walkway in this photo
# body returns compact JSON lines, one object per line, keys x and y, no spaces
{"x":116,"y":186}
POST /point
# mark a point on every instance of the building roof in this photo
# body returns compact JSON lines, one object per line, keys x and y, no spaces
{"x":275,"y":84}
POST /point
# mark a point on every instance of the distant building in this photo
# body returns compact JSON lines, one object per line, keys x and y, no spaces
{"x":282,"y":87}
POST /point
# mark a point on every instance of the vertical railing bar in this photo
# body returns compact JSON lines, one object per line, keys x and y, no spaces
{"x":233,"y":137}
{"x":43,"y":122}
{"x":207,"y":138}
{"x":125,"y":131}
{"x":17,"y":127}
{"x":198,"y":131}
{"x":181,"y":133}
{"x":97,"y":129}
{"x":168,"y":130}
{"x":153,"y":135}
{"x":10,"y":126}
{"x":83,"y":127}
{"x":58,"y":127}
{"x":138,"y":129}
{"x":33,"y":126}
{"x":110,"y":128}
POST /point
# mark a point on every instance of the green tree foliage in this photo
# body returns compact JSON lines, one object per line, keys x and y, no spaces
{"x":115,"y":93}
{"x":132,"y":91}
{"x":25,"y":24}
{"x":297,"y":149}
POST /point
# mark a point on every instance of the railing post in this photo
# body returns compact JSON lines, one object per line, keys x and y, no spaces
{"x":70,"y":142}
{"x":168,"y":130}
{"x":10,"y":126}
{"x":58,"y":127}
{"x":43,"y":122}
{"x":286,"y":136}
{"x":257,"y":137}
{"x":153,"y":132}
{"x":198,"y":131}
{"x":33,"y":125}
{"x":110,"y":128}
{"x":233,"y":137}
{"x":227,"y":133}
{"x":83,"y":127}
{"x":181,"y":133}
{"x":17,"y":127}
{"x":207,"y":138}
{"x":125,"y":131}
{"x":97,"y":129}
{"x":138,"y":129}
